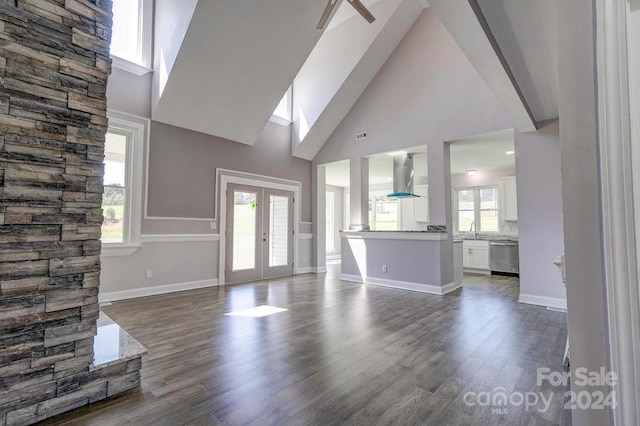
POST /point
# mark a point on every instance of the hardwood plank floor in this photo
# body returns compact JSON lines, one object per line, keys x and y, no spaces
{"x":342,"y":353}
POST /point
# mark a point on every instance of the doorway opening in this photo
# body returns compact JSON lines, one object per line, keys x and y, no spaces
{"x":337,"y":190}
{"x":259,"y":241}
{"x":484,"y":204}
{"x":259,"y":220}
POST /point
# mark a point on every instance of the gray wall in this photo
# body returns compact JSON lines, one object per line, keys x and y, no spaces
{"x":170,"y":263}
{"x":540,"y":231}
{"x":182,"y":167}
{"x":129,"y":93}
{"x":418,"y":262}
{"x":181,"y":185}
{"x":427,"y":93}
{"x":586,"y":301}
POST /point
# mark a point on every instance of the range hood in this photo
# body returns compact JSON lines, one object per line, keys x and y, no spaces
{"x":402,"y":176}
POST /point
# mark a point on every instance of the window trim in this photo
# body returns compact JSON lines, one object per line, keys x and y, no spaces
{"x":373,"y":220}
{"x":137,"y":127}
{"x":477,"y":210}
{"x":284,"y":121}
{"x":145,"y":36}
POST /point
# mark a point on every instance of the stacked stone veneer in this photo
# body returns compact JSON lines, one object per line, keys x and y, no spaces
{"x":54,"y":64}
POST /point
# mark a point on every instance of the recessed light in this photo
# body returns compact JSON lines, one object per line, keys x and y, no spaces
{"x":471,"y":172}
{"x":510,"y":152}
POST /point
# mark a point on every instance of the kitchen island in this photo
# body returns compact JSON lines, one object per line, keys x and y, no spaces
{"x":409,"y":260}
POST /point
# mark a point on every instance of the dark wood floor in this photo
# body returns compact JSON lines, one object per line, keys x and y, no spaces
{"x":342,"y":353}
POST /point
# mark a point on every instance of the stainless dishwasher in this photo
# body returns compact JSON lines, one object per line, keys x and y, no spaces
{"x":503,"y":256}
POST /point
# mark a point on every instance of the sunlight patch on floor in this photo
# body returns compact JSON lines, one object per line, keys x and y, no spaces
{"x":257,"y":312}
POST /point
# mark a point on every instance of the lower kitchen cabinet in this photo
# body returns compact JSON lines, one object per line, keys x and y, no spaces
{"x":475,"y":255}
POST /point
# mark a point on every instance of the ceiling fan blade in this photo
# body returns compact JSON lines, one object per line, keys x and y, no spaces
{"x":362,"y":10}
{"x":325,"y":14}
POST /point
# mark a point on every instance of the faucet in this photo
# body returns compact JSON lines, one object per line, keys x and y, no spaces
{"x":473,"y":228}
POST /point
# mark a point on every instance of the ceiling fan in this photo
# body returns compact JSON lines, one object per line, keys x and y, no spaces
{"x":357,"y":5}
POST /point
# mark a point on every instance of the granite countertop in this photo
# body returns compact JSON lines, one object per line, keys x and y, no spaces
{"x":485,"y":237}
{"x":431,"y":229}
{"x":113,"y":345}
{"x":416,"y":232}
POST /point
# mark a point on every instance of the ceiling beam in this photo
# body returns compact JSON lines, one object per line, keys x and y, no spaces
{"x":467,"y":25}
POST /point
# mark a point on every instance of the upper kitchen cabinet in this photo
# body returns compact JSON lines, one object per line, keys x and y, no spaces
{"x":510,"y":199}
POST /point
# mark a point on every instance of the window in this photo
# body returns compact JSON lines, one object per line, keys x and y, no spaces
{"x":122,"y":182}
{"x":282,"y":113}
{"x":116,"y":186}
{"x":383,"y":213}
{"x":479,"y":205}
{"x":131,"y":35}
{"x":330,"y":229}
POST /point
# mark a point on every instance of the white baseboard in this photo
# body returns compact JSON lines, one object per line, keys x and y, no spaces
{"x":477,"y":271}
{"x":448,"y":288}
{"x":402,"y":285}
{"x":152,"y":291}
{"x":305,"y":270}
{"x":317,"y":270}
{"x":549,"y":302}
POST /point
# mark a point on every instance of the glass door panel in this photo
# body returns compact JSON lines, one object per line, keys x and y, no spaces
{"x":278,"y":226}
{"x":278,"y":230}
{"x":259,"y":233}
{"x":243,"y":252}
{"x":244,"y":230}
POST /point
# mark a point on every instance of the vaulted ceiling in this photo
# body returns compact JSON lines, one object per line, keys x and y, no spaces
{"x":221,"y":66}
{"x":224,"y":72}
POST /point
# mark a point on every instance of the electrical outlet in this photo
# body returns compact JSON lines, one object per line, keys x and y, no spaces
{"x":212,"y":225}
{"x":384,"y":268}
{"x":149,"y":274}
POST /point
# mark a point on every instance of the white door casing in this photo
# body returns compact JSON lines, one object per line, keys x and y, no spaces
{"x":225,"y":177}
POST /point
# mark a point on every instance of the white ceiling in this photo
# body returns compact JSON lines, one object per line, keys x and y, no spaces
{"x":343,"y":63}
{"x":483,"y":153}
{"x":236,"y":60}
{"x":527,"y":33}
{"x":337,"y":174}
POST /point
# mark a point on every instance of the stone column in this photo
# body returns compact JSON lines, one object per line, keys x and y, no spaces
{"x":54,"y":65}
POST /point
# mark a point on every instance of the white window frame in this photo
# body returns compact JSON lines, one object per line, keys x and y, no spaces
{"x":373,"y":222}
{"x":137,"y":130}
{"x":477,"y":210}
{"x":284,"y":121}
{"x":145,"y":42}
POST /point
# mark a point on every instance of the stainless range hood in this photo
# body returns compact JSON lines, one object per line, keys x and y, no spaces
{"x":402,"y":176}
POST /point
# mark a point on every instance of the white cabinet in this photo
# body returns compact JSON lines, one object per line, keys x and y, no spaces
{"x":509,"y":199}
{"x":421,"y":205}
{"x":475,"y":255}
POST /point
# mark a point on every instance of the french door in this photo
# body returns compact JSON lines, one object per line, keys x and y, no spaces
{"x":259,"y":234}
